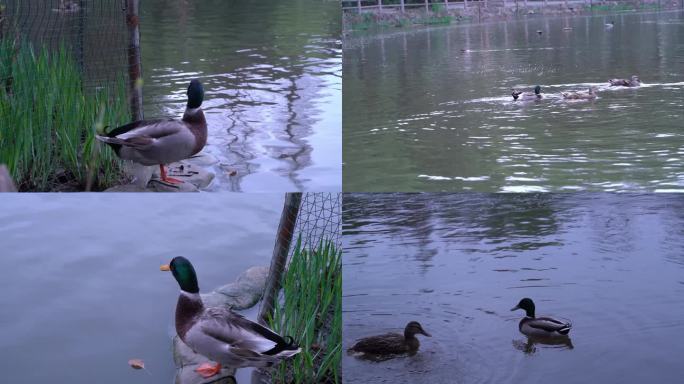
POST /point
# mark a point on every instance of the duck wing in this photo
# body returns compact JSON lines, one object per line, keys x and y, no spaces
{"x":381,"y":344}
{"x":549,"y":324}
{"x":246,"y":338}
{"x":143,"y":133}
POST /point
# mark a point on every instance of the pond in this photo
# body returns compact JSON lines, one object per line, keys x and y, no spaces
{"x":430,"y":109}
{"x":83,"y":293}
{"x":272,"y":76}
{"x":457,"y":263}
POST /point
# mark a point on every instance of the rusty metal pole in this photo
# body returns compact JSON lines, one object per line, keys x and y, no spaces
{"x":134,"y":65}
{"x":288,"y":220}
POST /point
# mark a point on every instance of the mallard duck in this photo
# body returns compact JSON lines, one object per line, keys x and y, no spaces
{"x":159,"y":142}
{"x":540,"y":326}
{"x":390,"y":343}
{"x":632,"y":82}
{"x":527,"y":95}
{"x":580,"y":95}
{"x":220,"y":334}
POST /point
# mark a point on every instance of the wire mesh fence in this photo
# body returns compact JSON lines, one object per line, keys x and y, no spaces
{"x":94,"y":32}
{"x":319,"y":219}
{"x":63,"y":63}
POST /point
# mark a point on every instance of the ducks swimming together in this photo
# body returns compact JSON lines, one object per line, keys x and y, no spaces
{"x":220,"y":334}
{"x":159,"y":142}
{"x":388,"y":345}
{"x":632,"y":82}
{"x":580,"y":95}
{"x":544,"y":327}
{"x":527,"y":95}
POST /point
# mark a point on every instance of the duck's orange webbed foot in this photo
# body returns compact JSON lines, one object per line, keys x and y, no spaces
{"x":207,"y":370}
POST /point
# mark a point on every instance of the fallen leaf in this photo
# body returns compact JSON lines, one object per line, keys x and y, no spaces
{"x":136,"y":364}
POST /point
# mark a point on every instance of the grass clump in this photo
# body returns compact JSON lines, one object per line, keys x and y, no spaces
{"x":47,"y":120}
{"x":310,"y":310}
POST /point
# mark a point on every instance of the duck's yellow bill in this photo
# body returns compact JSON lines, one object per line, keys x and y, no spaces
{"x":165,"y":267}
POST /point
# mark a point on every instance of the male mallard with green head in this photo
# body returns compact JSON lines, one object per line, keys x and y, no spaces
{"x":527,"y":95}
{"x":390,"y":343}
{"x":632,"y":82}
{"x":580,"y":95}
{"x":540,"y":326}
{"x":220,"y":334}
{"x":159,"y":142}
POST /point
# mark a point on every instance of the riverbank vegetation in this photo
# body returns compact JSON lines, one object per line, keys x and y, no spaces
{"x":310,"y":310}
{"x":48,"y":121}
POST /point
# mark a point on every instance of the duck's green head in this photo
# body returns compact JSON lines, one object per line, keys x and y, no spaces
{"x":537,"y":90}
{"x":527,"y":304}
{"x":414,"y":328}
{"x":184,"y":273}
{"x":195,"y":94}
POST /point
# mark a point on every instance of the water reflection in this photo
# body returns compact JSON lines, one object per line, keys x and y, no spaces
{"x":530,"y":345}
{"x":431,"y":110}
{"x":456,"y":262}
{"x":271,"y":72}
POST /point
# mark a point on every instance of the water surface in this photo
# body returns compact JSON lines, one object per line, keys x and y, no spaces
{"x":612,"y":264}
{"x":272,"y":75}
{"x":82,"y":290}
{"x":430,"y":109}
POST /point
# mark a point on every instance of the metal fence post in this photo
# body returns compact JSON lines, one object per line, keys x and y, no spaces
{"x":402,"y":5}
{"x":134,"y":65}
{"x":288,"y":220}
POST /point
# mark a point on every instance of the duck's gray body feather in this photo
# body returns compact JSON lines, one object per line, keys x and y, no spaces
{"x":544,"y":327}
{"x":230,"y":339}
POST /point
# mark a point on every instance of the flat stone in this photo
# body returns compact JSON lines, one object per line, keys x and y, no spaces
{"x":202,"y":159}
{"x":243,"y":293}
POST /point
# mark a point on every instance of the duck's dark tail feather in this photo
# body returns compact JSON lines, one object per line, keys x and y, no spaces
{"x":285,"y":347}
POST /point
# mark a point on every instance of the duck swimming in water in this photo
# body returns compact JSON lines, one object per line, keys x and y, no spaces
{"x":390,"y":344}
{"x":580,"y":95}
{"x":220,"y":334}
{"x":527,"y":95}
{"x":632,"y":82}
{"x":540,"y":326}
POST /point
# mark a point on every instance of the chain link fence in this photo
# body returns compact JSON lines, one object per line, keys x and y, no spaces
{"x":319,"y":219}
{"x":94,"y":32}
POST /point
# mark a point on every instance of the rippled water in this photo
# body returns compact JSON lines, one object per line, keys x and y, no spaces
{"x":82,"y":291}
{"x":430,"y":110}
{"x":612,"y":264}
{"x":272,"y":75}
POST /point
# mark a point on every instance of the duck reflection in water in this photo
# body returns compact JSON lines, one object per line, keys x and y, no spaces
{"x":529,"y":345}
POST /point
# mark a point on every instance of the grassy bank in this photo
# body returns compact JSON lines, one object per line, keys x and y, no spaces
{"x":310,"y":310}
{"x":47,"y":121}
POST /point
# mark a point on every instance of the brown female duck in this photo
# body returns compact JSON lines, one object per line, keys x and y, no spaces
{"x":390,"y":343}
{"x":632,"y":82}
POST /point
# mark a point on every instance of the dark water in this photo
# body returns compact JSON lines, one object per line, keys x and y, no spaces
{"x":612,"y":264}
{"x":82,"y":290}
{"x":272,"y":76}
{"x":429,"y":109}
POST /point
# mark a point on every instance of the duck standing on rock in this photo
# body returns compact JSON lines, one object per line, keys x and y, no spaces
{"x":632,"y":82}
{"x":220,"y":334}
{"x":545,"y":327}
{"x":159,"y":142}
{"x":390,"y":344}
{"x":580,"y":95}
{"x":527,"y":95}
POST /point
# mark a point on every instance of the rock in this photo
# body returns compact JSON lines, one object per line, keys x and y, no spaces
{"x":187,"y":361}
{"x":246,"y":290}
{"x":202,"y":160}
{"x":243,"y":293}
{"x":6,"y":183}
